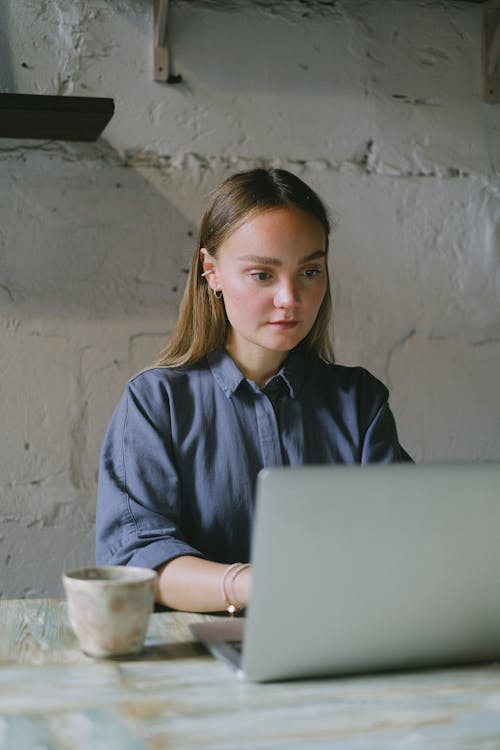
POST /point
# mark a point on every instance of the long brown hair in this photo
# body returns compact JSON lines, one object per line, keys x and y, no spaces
{"x":202,"y":324}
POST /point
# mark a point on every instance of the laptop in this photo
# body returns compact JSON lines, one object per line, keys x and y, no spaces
{"x":360,"y":569}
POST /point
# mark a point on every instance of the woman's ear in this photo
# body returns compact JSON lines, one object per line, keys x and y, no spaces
{"x":209,"y":269}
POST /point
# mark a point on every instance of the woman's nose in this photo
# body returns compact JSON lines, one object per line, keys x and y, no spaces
{"x":286,"y":295}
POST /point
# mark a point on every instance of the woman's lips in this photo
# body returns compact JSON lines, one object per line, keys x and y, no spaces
{"x":285,"y":324}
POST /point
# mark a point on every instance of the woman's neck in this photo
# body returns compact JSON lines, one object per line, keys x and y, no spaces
{"x":258,"y":365}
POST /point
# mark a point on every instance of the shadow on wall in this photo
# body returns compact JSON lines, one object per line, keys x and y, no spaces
{"x":405,"y":51}
{"x":83,"y":232}
{"x":302,"y":48}
{"x":92,"y":264}
{"x":139,"y":14}
{"x":6,"y":72}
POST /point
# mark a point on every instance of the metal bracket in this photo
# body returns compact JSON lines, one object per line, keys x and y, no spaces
{"x":491,"y":51}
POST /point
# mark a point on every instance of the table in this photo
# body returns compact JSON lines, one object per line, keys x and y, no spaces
{"x":175,"y":695}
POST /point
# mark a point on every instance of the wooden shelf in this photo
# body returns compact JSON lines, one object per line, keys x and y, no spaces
{"x":64,"y":118}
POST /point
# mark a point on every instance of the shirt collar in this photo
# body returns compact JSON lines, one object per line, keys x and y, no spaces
{"x":229,"y":377}
{"x":224,"y":370}
{"x":292,"y":370}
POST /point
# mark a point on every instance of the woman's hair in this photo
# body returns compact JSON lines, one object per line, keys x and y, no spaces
{"x":202,"y":324}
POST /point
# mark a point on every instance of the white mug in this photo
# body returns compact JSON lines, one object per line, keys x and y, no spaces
{"x":109,"y":608}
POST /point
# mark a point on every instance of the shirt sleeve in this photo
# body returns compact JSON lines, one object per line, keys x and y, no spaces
{"x":139,"y":518}
{"x":381,"y":442}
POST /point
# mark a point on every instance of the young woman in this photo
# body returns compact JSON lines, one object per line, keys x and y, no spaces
{"x":246,"y":380}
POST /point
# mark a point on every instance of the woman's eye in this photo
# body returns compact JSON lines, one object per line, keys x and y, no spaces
{"x":261,"y":275}
{"x":311,"y":273}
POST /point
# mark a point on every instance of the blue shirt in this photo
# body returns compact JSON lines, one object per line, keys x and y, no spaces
{"x":184,"y":447}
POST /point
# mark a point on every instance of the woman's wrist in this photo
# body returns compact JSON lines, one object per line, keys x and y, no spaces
{"x":235,"y":587}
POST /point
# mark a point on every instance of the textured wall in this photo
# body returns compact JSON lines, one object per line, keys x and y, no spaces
{"x":377,"y":105}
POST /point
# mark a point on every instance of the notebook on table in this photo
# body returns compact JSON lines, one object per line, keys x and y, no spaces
{"x":368,"y":568}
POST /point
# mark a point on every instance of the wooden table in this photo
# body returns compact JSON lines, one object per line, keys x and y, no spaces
{"x":175,"y":695}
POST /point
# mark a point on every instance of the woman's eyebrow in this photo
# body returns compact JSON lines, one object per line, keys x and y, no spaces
{"x":313,"y":256}
{"x":268,"y":261}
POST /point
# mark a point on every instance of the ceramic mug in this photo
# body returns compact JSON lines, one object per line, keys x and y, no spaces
{"x":109,"y":608}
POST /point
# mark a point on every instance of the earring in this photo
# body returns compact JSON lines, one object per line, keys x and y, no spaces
{"x":217,"y":293}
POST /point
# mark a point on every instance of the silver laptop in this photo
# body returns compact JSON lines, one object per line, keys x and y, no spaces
{"x":368,"y":568}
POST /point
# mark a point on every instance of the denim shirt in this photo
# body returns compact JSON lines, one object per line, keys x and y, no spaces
{"x":183,"y":449}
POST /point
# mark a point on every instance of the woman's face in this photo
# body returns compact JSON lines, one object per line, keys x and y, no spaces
{"x":272,"y":274}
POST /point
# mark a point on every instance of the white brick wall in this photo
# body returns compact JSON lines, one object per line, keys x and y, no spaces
{"x":377,"y":105}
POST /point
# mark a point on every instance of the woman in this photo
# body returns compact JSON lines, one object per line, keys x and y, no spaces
{"x":246,"y":380}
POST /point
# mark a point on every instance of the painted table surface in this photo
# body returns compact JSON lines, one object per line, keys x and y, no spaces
{"x":175,"y":695}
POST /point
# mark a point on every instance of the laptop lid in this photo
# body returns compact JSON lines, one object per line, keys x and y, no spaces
{"x":363,"y":568}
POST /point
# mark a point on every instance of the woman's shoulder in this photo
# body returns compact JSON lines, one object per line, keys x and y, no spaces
{"x":352,"y":378}
{"x":348,"y":373}
{"x":159,"y":382}
{"x":165,"y":374}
